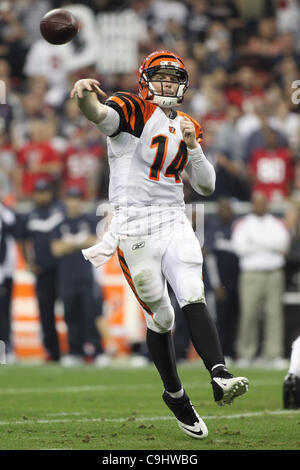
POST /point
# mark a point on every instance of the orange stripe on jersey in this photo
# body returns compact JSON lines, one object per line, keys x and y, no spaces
{"x":134,"y":112}
{"x":198,"y":128}
{"x":128,"y":277}
{"x":121,"y":105}
{"x":135,"y":97}
{"x":147,"y":108}
{"x":132,"y":117}
{"x":131,"y":114}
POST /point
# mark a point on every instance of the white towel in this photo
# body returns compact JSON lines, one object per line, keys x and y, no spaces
{"x":103,"y":251}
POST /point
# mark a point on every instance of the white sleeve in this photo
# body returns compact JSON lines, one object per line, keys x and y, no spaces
{"x":110,"y":123}
{"x":200,"y":171}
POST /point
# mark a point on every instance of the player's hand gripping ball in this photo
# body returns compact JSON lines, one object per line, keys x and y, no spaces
{"x":59,"y":26}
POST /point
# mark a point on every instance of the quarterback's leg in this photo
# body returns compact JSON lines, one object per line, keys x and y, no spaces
{"x":143,"y":273}
{"x":182,"y":266}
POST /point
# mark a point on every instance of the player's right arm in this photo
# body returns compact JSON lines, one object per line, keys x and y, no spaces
{"x":85,"y":93}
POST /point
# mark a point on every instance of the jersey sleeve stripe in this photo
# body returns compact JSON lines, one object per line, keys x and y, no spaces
{"x":133,"y":111}
{"x":123,"y":111}
{"x":137,"y":121}
{"x":139,"y":100}
{"x":146,"y":109}
{"x":122,"y":108}
{"x":129,"y":114}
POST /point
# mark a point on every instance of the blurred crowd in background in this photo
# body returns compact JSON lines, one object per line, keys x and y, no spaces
{"x":243,"y":59}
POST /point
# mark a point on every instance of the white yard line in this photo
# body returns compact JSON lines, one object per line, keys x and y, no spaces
{"x":109,"y":388}
{"x":73,"y":389}
{"x":141,"y":418}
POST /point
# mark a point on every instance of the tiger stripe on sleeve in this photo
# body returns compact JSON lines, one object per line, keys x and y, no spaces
{"x":134,"y":112}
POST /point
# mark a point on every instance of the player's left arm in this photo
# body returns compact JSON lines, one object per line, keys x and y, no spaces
{"x":200,"y":171}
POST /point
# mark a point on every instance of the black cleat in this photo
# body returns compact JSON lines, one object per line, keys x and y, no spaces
{"x":226,"y":387}
{"x":291,"y":392}
{"x":187,"y":418}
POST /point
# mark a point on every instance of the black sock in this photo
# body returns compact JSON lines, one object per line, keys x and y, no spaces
{"x":220,"y":371}
{"x":204,"y":335}
{"x":161,"y":349}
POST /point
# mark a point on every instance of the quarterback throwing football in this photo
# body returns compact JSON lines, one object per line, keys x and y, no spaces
{"x":149,"y":145}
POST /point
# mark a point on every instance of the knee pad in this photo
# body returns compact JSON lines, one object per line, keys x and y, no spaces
{"x":162,"y":321}
{"x":149,"y":286}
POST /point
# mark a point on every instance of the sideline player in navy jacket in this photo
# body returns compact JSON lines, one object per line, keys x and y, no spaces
{"x":79,"y":291}
{"x":38,"y":225}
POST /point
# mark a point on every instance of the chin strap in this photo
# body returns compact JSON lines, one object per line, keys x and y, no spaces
{"x":165,"y":101}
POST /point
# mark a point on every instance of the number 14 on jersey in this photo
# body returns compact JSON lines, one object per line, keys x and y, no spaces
{"x":160,"y":142}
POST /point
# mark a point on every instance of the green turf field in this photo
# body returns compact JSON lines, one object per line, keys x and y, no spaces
{"x":50,"y":407}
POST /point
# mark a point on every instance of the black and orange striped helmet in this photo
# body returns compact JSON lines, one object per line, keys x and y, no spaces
{"x":162,"y":61}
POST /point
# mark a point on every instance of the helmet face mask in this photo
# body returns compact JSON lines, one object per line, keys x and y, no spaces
{"x":156,"y":63}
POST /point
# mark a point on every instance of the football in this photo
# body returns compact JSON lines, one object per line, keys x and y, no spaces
{"x":59,"y":26}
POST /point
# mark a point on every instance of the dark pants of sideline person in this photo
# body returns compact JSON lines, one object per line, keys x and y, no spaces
{"x":5,"y":313}
{"x":46,"y":291}
{"x":81,"y":310}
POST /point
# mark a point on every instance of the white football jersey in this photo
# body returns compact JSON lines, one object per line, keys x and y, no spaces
{"x":146,"y":157}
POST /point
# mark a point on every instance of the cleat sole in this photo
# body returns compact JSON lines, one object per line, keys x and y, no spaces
{"x":236,"y":390}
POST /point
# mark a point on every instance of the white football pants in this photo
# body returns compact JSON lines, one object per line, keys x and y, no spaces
{"x":174,"y":255}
